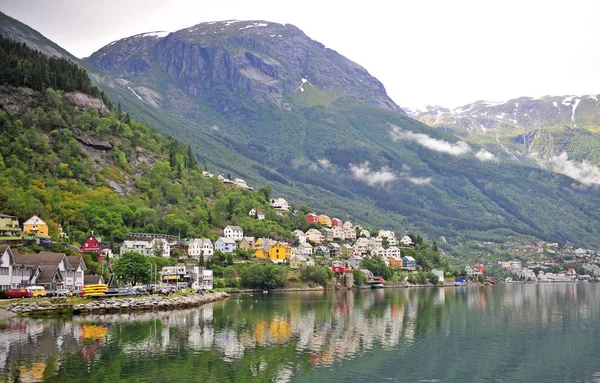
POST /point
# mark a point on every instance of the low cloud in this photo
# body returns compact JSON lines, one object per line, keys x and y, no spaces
{"x":584,"y":172}
{"x":324,"y":162}
{"x":455,"y":149}
{"x":363,"y":173}
{"x":419,"y":180}
{"x":484,"y":155}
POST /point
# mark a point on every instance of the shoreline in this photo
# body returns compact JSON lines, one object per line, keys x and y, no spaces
{"x":108,"y":306}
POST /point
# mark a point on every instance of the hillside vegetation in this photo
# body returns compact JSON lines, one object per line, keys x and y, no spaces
{"x":89,"y":167}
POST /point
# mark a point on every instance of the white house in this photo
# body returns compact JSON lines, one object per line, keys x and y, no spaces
{"x":392,"y":251}
{"x":225,"y":245}
{"x":154,"y":247}
{"x":241,"y":184}
{"x":439,"y":273}
{"x":378,"y":251}
{"x":234,"y":232}
{"x":74,"y":273}
{"x":279,"y":204}
{"x":257,"y":214}
{"x":7,"y":262}
{"x":389,"y":234}
{"x":201,"y":247}
{"x":305,"y":249}
{"x":354,"y":261}
{"x":300,"y":235}
{"x":374,"y":242}
{"x":314,"y":236}
{"x":349,"y":231}
{"x":406,"y":241}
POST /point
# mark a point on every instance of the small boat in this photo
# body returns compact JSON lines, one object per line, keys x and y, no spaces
{"x":378,"y":286}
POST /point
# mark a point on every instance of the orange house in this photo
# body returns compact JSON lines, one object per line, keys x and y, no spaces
{"x":325,"y":220}
{"x":36,"y":226}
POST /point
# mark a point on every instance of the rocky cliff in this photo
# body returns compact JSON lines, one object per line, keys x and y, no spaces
{"x":269,"y":61}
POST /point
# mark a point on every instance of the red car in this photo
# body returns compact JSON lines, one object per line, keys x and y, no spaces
{"x":19,"y":292}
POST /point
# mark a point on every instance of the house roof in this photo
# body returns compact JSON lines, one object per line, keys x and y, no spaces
{"x":92,"y":279}
{"x":75,"y":260}
{"x":32,"y":218}
{"x":226,"y":240}
{"x":6,"y":216}
{"x":234,"y":228}
{"x":47,"y":276}
{"x":39,"y":259}
{"x":409,"y":258}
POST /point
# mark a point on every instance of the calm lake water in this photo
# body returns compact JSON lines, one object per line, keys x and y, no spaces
{"x":512,"y":333}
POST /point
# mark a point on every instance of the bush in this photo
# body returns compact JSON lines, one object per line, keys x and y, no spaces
{"x":360,"y":278}
{"x":219,"y":283}
{"x":315,"y":274}
{"x":263,"y":276}
{"x":2,"y":294}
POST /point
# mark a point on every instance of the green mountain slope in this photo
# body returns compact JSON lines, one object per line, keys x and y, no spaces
{"x":323,"y":132}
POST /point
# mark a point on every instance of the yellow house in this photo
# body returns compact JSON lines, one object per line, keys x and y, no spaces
{"x":35,"y":226}
{"x":324,"y":220}
{"x":280,"y":252}
{"x":261,"y":254}
{"x":258,"y":244}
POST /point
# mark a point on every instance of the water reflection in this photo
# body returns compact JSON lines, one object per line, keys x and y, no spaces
{"x":311,"y":335}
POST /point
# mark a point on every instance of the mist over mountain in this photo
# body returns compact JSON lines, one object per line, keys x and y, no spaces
{"x":265,"y":102}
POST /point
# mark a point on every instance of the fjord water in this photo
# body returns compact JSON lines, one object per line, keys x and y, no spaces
{"x":512,"y":333}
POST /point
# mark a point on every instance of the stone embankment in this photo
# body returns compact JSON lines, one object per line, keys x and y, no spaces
{"x":114,"y":305}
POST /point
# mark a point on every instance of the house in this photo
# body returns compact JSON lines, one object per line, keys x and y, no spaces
{"x":300,"y":235}
{"x":9,"y":226}
{"x":305,"y":249}
{"x":310,"y":262}
{"x":392,"y":251}
{"x":321,"y":251}
{"x":385,"y":260}
{"x":325,"y":220}
{"x":247,"y":243}
{"x":179,"y":273}
{"x":45,"y":269}
{"x":74,"y":275}
{"x":234,"y":232}
{"x":203,"y":277}
{"x":279,"y":204}
{"x":347,"y":250}
{"x":389,"y":234}
{"x":7,"y":261}
{"x":225,"y":245}
{"x":241,"y":184}
{"x":335,"y":250}
{"x":395,"y":262}
{"x":354,"y":261}
{"x":360,"y":246}
{"x":312,"y":218}
{"x":261,"y":254}
{"x":327,"y":234}
{"x":364,"y":233}
{"x":201,"y":248}
{"x":378,"y":251}
{"x":338,"y":232}
{"x":409,"y":263}
{"x":406,"y":241}
{"x":472,"y":271}
{"x":35,"y":226}
{"x":297,"y":261}
{"x":93,"y":279}
{"x":156,"y":247}
{"x":257,"y":214}
{"x":349,"y":231}
{"x":336,"y":222}
{"x":207,"y":174}
{"x":92,"y":245}
{"x":480,"y":267}
{"x":314,"y":235}
{"x":439,"y":273}
{"x":368,"y":274}
{"x":280,"y":252}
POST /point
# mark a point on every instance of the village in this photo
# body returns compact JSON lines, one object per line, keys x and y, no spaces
{"x":341,"y":246}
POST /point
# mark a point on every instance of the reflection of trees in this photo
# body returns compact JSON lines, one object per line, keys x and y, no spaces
{"x":273,"y":336}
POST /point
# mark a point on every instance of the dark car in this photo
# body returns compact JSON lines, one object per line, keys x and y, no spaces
{"x":45,"y":242}
{"x":19,"y":292}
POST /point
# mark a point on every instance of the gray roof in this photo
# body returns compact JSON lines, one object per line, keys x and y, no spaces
{"x":234,"y":228}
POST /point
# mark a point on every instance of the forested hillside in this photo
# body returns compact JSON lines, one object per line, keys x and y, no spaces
{"x":75,"y":161}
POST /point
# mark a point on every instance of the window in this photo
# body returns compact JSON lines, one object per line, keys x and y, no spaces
{"x":3,"y":270}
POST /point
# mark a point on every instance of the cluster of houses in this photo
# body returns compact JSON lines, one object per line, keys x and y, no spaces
{"x":51,"y":270}
{"x":525,"y":273}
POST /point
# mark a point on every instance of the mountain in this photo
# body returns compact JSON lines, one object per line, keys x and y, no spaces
{"x":529,"y":130}
{"x":266,"y":103}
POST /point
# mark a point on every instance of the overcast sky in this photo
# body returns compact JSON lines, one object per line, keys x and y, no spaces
{"x":442,"y":52}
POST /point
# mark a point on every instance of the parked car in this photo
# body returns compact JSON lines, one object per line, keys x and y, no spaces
{"x":111,"y":290}
{"x":45,"y":242}
{"x":18,"y":292}
{"x":63,"y":293}
{"x":127,"y":291}
{"x":167,"y":290}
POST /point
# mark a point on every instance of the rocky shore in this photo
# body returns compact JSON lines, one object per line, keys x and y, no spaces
{"x":113,"y":305}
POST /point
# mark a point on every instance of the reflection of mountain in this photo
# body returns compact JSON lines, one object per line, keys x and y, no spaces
{"x":279,"y":336}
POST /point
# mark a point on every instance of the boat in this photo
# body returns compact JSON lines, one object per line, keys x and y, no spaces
{"x":377,"y":286}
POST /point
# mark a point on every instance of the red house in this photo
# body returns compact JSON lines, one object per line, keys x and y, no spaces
{"x":92,"y":245}
{"x":336,"y":222}
{"x":312,"y":218}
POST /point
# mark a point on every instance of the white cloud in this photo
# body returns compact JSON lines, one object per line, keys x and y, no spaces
{"x":324,"y":162}
{"x":455,"y":149}
{"x":585,"y":172}
{"x":484,"y":155}
{"x":363,"y":173}
{"x":419,"y":180}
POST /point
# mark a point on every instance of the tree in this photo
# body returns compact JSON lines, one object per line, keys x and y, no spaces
{"x":377,"y":267}
{"x":230,"y":275}
{"x":158,"y":248}
{"x":359,"y":277}
{"x":263,"y":276}
{"x":132,"y":268}
{"x":266,"y":192}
